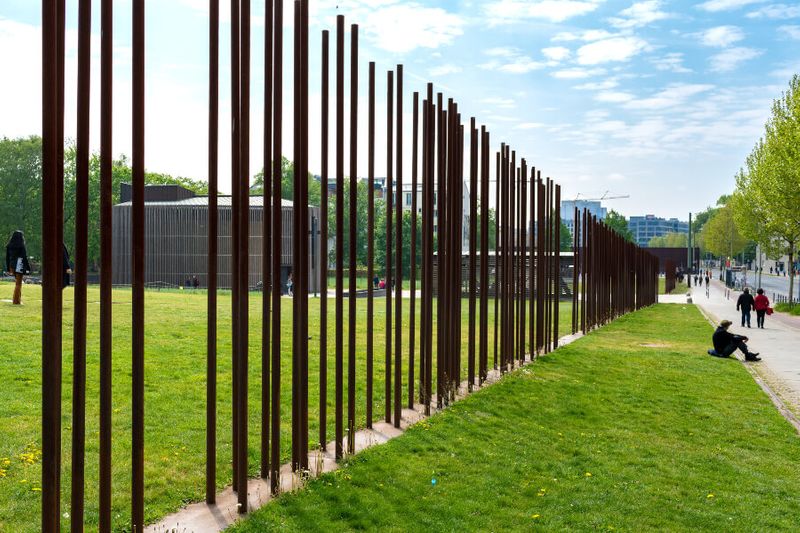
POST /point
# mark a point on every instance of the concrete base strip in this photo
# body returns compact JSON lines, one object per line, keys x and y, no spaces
{"x":202,"y":517}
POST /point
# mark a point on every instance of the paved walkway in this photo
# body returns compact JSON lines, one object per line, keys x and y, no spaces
{"x":778,"y":343}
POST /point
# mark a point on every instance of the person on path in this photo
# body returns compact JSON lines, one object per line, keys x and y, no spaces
{"x":66,"y":269}
{"x":17,"y":263}
{"x":745,"y":303}
{"x":725,"y":343}
{"x":761,"y":305}
{"x":289,"y":285}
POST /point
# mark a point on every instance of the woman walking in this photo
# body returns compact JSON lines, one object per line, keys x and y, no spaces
{"x":17,"y":263}
{"x":761,"y":306}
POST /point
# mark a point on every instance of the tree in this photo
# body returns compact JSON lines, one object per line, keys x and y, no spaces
{"x":617,"y":222}
{"x":670,"y":240}
{"x":287,"y":184}
{"x":768,"y":187}
{"x":720,"y":236}
{"x":566,"y":238}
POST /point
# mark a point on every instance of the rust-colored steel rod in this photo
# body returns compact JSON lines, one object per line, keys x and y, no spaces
{"x":388,"y":260}
{"x":523,"y":256}
{"x":556,"y":262}
{"x":520,"y":249}
{"x":540,"y":259}
{"x":440,"y":221}
{"x":424,"y":318}
{"x":277,"y":150}
{"x":575,"y":269}
{"x":106,"y":78}
{"x":483,"y":343}
{"x":532,"y":264}
{"x":138,"y":223}
{"x":351,"y":345}
{"x":339,"y":233}
{"x":244,"y":232}
{"x":235,"y":220}
{"x":512,"y":248}
{"x":297,"y":231}
{"x":370,"y":240}
{"x":323,"y":243}
{"x":412,"y":314}
{"x":398,"y":276}
{"x":304,"y":233}
{"x":52,"y":229}
{"x":503,"y":178}
{"x":427,"y":219}
{"x":584,"y":271}
{"x":213,"y":190}
{"x":497,"y":258}
{"x":266,"y":241}
{"x":473,"y":244}
{"x":81,"y":263}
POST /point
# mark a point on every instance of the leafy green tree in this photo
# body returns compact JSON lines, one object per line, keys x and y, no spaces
{"x":618,"y":223}
{"x":720,"y":235}
{"x":566,"y":238}
{"x":670,"y":240}
{"x":287,"y":184}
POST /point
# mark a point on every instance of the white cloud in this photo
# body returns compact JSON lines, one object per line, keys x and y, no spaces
{"x":521,"y":65}
{"x":776,"y":11}
{"x":721,"y":36}
{"x":726,"y":5}
{"x":556,"y":53}
{"x":529,"y":126}
{"x":793,"y":32}
{"x":597,"y":86}
{"x":502,"y":51}
{"x":499,"y":101}
{"x":729,"y":59}
{"x":614,"y":97}
{"x":577,"y":73}
{"x":586,"y":36}
{"x":613,"y":49}
{"x":402,"y":28}
{"x":639,"y":14}
{"x":444,"y":70}
{"x":511,"y":11}
{"x":674,"y":95}
{"x":672,"y":62}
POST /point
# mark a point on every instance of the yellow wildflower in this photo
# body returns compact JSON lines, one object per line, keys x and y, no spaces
{"x":588,"y":474}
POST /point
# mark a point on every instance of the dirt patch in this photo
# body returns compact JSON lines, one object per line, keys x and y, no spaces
{"x":652,"y":345}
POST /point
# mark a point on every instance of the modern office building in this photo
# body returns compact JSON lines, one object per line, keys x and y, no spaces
{"x":568,"y":211}
{"x":176,"y":239}
{"x":646,"y":227}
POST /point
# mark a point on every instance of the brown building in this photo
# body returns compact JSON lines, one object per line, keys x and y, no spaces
{"x":176,"y":239}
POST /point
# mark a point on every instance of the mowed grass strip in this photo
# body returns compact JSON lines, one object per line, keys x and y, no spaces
{"x":632,"y":428}
{"x":175,"y":396}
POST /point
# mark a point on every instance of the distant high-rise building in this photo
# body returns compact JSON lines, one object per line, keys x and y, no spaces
{"x":646,"y":227}
{"x":568,"y":211}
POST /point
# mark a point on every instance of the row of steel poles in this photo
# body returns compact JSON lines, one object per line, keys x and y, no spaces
{"x":670,"y":276}
{"x":524,"y":274}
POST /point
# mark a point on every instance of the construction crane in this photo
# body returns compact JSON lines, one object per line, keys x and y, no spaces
{"x":604,"y":197}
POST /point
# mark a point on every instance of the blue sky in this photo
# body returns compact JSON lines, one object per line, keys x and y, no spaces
{"x":659,"y":100}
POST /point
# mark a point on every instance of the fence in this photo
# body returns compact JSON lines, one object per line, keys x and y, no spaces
{"x":610,"y":276}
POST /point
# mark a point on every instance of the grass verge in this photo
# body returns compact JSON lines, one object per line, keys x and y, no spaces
{"x":631,"y":428}
{"x":787,"y":308}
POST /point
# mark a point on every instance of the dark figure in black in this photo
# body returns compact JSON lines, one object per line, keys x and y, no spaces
{"x":725,"y":343}
{"x":745,"y":303}
{"x":66,"y":269}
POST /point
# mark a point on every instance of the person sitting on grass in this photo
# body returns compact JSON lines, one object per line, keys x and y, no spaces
{"x":725,"y":343}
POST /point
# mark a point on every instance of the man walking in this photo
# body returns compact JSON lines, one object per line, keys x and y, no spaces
{"x":745,"y":303}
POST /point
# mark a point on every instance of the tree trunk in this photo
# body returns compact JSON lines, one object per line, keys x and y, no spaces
{"x":791,"y":274}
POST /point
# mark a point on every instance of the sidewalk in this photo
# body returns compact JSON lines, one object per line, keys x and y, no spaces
{"x":777,"y":343}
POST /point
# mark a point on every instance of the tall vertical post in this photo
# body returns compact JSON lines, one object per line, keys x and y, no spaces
{"x":235,"y":220}
{"x":351,"y":345}
{"x":388,"y":266}
{"x":473,"y":245}
{"x":323,"y":241}
{"x":497,"y":258}
{"x":137,"y":325}
{"x":484,"y":284}
{"x":339,"y":232}
{"x":266,"y":241}
{"x":412,"y":314}
{"x":397,"y":283}
{"x":532,"y":264}
{"x":304,"y":236}
{"x":370,"y":239}
{"x":556,"y":262}
{"x":277,"y":232}
{"x":106,"y":79}
{"x":81,"y":263}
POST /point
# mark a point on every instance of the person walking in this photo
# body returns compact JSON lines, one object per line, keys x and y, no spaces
{"x":725,"y":343}
{"x":761,"y":306}
{"x":66,"y":269}
{"x":17,"y":263}
{"x":744,"y":304}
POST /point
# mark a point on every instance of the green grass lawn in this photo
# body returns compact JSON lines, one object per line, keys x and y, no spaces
{"x":680,"y":287}
{"x":793,"y":309}
{"x":632,"y":428}
{"x":175,"y":384}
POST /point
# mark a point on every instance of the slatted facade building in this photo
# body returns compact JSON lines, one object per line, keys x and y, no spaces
{"x":176,"y":240}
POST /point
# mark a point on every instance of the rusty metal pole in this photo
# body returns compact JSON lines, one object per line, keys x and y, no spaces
{"x":483,"y":342}
{"x":532,"y":265}
{"x":138,"y":223}
{"x":235,"y":220}
{"x":575,"y":269}
{"x":323,"y":241}
{"x":266,"y":240}
{"x":541,"y":292}
{"x":388,"y":259}
{"x":473,"y":244}
{"x":351,"y":345}
{"x":412,"y":314}
{"x":497,"y":258}
{"x":305,"y":233}
{"x":106,"y":79}
{"x":370,"y":241}
{"x":523,"y":256}
{"x":440,"y":234}
{"x":81,"y":260}
{"x":423,"y":331}
{"x":52,"y":230}
{"x":277,"y":231}
{"x":398,"y":275}
{"x":339,"y":234}
{"x":213,"y":188}
{"x":427,"y":258}
{"x":557,"y":263}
